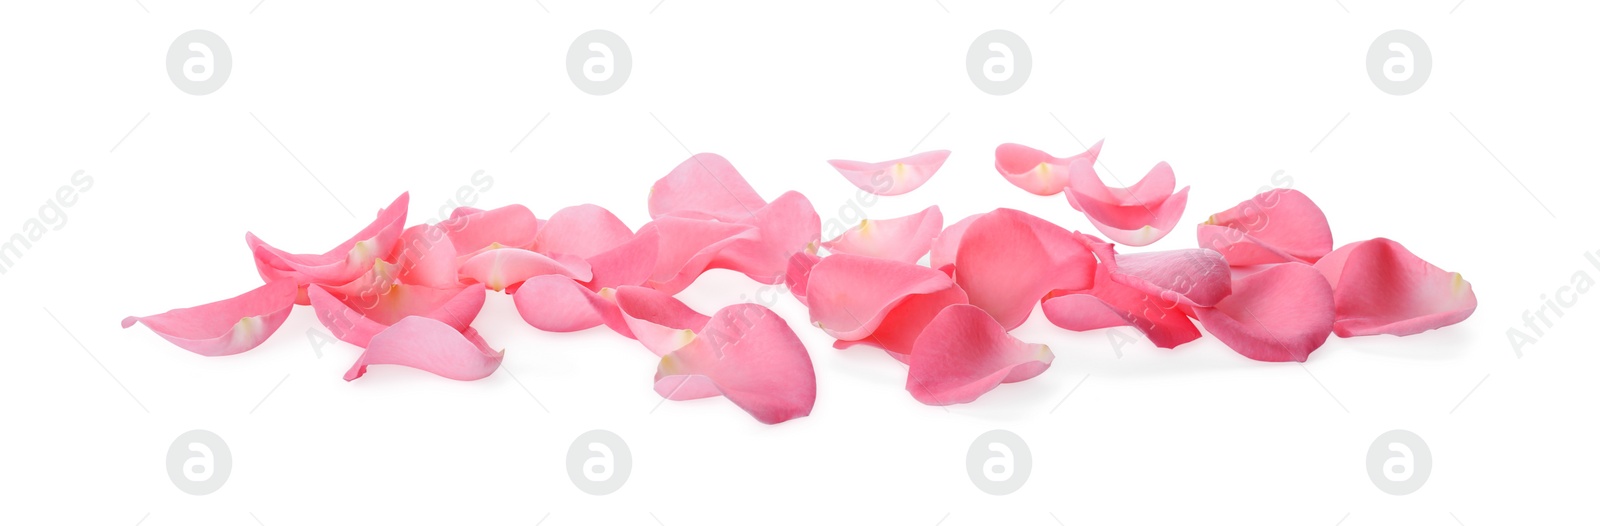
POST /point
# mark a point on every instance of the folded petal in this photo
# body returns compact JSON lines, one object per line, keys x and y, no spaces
{"x":430,"y":345}
{"x":1279,"y":314}
{"x":356,"y":319}
{"x":880,"y":302}
{"x":583,"y":231}
{"x":508,"y":226}
{"x":1009,"y":260}
{"x":230,"y":326}
{"x":1156,"y":185}
{"x":705,"y":186}
{"x":892,"y":177}
{"x":658,"y":320}
{"x":786,"y":226}
{"x":1273,"y":227}
{"x":688,"y":246}
{"x":964,"y":353}
{"x":799,"y":274}
{"x":504,"y":267}
{"x":1379,"y":287}
{"x":900,"y":239}
{"x":341,"y":264}
{"x":943,"y":254}
{"x":558,"y":304}
{"x":752,"y":357}
{"x":1138,"y":224}
{"x":426,"y":256}
{"x":1113,"y":304}
{"x":1193,"y":276}
{"x":1036,"y":171}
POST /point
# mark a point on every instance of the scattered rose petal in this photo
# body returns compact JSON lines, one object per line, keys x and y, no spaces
{"x":1273,"y":227}
{"x":430,"y":345}
{"x":1193,"y":276}
{"x":880,"y":302}
{"x":1379,"y":287}
{"x":1276,"y":315}
{"x":356,"y":319}
{"x":1009,"y":260}
{"x":799,"y":274}
{"x":557,"y":304}
{"x":752,"y":357}
{"x":584,"y":231}
{"x":705,"y":186}
{"x":943,"y":254}
{"x":659,"y":321}
{"x":1135,"y":216}
{"x":230,"y":326}
{"x":688,"y":246}
{"x":504,"y":267}
{"x":900,"y":239}
{"x":1113,"y":304}
{"x":427,"y":257}
{"x":964,"y":353}
{"x":892,"y":177}
{"x":345,"y":262}
{"x":787,"y":225}
{"x":508,"y":226}
{"x":1036,"y":171}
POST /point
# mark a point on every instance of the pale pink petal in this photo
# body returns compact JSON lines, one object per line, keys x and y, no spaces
{"x":943,"y":254}
{"x":430,"y":345}
{"x":630,"y":263}
{"x":1113,"y":304}
{"x":900,"y":239}
{"x":964,"y":353}
{"x":1009,"y":260}
{"x":508,"y":226}
{"x":426,"y":257}
{"x":688,"y":246}
{"x":356,"y":319}
{"x":1155,"y":187}
{"x":1193,"y":276}
{"x":1273,"y":227}
{"x":505,"y":267}
{"x":1279,"y":314}
{"x":1036,"y":171}
{"x":799,"y":274}
{"x":704,"y":186}
{"x":343,"y":263}
{"x":230,"y":326}
{"x":583,"y":231}
{"x":659,"y":321}
{"x":752,"y":357}
{"x":1379,"y":287}
{"x":558,"y":304}
{"x":1133,"y":225}
{"x":787,"y":226}
{"x":880,"y":302}
{"x":892,"y":177}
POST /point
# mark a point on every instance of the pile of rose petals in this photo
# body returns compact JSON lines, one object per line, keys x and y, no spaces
{"x":1266,"y":281}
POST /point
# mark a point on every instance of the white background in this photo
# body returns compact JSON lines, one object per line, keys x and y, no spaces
{"x":376,"y":98}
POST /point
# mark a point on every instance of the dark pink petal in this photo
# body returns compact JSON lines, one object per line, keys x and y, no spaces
{"x":558,"y":304}
{"x":900,"y":239}
{"x":1379,"y":287}
{"x":583,"y":231}
{"x":426,"y":257}
{"x":799,"y":274}
{"x":1036,"y":171}
{"x":508,"y":226}
{"x":343,"y":263}
{"x":356,"y":319}
{"x":230,"y":326}
{"x":1276,"y":315}
{"x":1273,"y":227}
{"x":1193,"y":276}
{"x":1009,"y":260}
{"x":752,"y":357}
{"x":688,"y":246}
{"x":892,"y":177}
{"x":787,"y":226}
{"x":880,"y":302}
{"x":504,"y":267}
{"x":430,"y":345}
{"x":658,"y":320}
{"x":1135,"y":216}
{"x":964,"y":353}
{"x":705,"y":186}
{"x":1113,"y":304}
{"x":943,"y":254}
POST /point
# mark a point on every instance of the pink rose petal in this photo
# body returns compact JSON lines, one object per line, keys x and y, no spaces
{"x":687,"y":248}
{"x":943,"y":254}
{"x":504,"y":267}
{"x":706,"y":186}
{"x":230,"y":326}
{"x":584,"y":231}
{"x":1193,"y":276}
{"x":508,"y":226}
{"x":784,"y":227}
{"x":881,"y":302}
{"x":964,"y":353}
{"x":1273,"y":227}
{"x":557,"y":304}
{"x":1276,"y":315}
{"x":1036,"y":171}
{"x":430,"y":345}
{"x":799,"y":274}
{"x":356,"y":319}
{"x":1379,"y":287}
{"x":1135,"y":217}
{"x":1009,"y":260}
{"x":341,"y":264}
{"x":900,"y":239}
{"x":427,"y":257}
{"x":892,"y":177}
{"x":752,"y":357}
{"x":658,"y":320}
{"x":1113,"y":304}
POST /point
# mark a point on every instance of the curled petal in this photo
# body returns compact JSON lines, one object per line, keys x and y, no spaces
{"x":504,"y":267}
{"x":1113,"y":304}
{"x":1276,"y":226}
{"x":508,"y":226}
{"x":1009,"y":260}
{"x":430,"y":345}
{"x":705,"y":186}
{"x":1194,"y":276}
{"x":230,"y":326}
{"x":892,"y":177}
{"x":965,"y":353}
{"x":943,"y":254}
{"x":799,"y":274}
{"x":1036,"y":171}
{"x":343,"y":263}
{"x":426,"y":257}
{"x":1155,"y":187}
{"x":583,"y":231}
{"x":659,"y":321}
{"x":1138,"y":224}
{"x":900,"y":239}
{"x":1276,"y":315}
{"x":750,"y":356}
{"x":688,"y":246}
{"x":356,"y":319}
{"x":1379,"y":287}
{"x":787,"y":226}
{"x":558,"y":304}
{"x":880,"y":302}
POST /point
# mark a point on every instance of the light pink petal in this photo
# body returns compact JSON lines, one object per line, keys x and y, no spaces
{"x":1155,"y":187}
{"x":558,"y":304}
{"x":505,"y":267}
{"x":1273,"y":227}
{"x":787,"y":226}
{"x":343,"y":263}
{"x":583,"y":231}
{"x":880,"y":302}
{"x":705,"y":186}
{"x":1276,"y":315}
{"x":964,"y":353}
{"x":799,"y":274}
{"x":508,"y":226}
{"x":943,"y":254}
{"x":1133,"y":225}
{"x":430,"y":345}
{"x":230,"y":326}
{"x":659,"y":321}
{"x":1036,"y":171}
{"x":900,"y":239}
{"x":1113,"y":304}
{"x":426,"y":257}
{"x":630,"y":263}
{"x":356,"y":319}
{"x":1193,"y":276}
{"x":752,"y":357}
{"x":1379,"y":287}
{"x":1009,"y":260}
{"x":892,"y":177}
{"x":688,"y":246}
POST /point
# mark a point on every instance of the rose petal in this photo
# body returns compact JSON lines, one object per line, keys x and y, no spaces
{"x":1009,"y":260}
{"x":430,"y":345}
{"x":426,"y":256}
{"x":1036,"y":171}
{"x":1138,"y":224}
{"x":799,"y":274}
{"x":1379,"y":287}
{"x":1193,"y":276}
{"x":583,"y":231}
{"x":900,"y":239}
{"x":1156,"y":186}
{"x":230,"y":326}
{"x":1273,"y":227}
{"x":964,"y":353}
{"x":558,"y":304}
{"x":880,"y":302}
{"x":688,"y":246}
{"x":341,"y":264}
{"x":892,"y":177}
{"x":1279,"y":314}
{"x":943,"y":254}
{"x":659,"y":321}
{"x":356,"y":319}
{"x":1113,"y":304}
{"x":787,"y":226}
{"x":752,"y":357}
{"x":630,"y":263}
{"x":508,"y":226}
{"x":505,"y":267}
{"x":705,"y":186}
